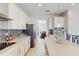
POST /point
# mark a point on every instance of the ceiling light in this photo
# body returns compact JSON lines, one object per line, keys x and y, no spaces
{"x":41,"y":21}
{"x":40,"y":5}
{"x":47,"y":10}
{"x":73,"y":4}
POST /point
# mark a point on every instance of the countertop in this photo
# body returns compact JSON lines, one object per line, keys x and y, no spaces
{"x":61,"y":49}
{"x":17,"y":40}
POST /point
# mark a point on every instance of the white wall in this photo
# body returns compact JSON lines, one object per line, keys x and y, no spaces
{"x":33,"y":20}
{"x":73,"y":20}
{"x":58,"y":21}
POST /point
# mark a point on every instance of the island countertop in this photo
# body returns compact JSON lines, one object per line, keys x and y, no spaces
{"x":63,"y":49}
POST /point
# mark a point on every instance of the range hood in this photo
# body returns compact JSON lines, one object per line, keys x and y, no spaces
{"x":4,"y":18}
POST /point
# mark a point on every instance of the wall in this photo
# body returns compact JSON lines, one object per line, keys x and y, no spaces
{"x":13,"y":32}
{"x":73,"y":20}
{"x":65,"y":15}
{"x":58,"y":20}
{"x":33,"y":20}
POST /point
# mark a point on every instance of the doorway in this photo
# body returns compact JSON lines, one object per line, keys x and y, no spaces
{"x":41,"y":26}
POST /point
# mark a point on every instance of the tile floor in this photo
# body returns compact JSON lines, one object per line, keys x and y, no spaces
{"x":38,"y":50}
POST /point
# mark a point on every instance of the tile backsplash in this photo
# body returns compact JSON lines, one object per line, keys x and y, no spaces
{"x":14,"y":33}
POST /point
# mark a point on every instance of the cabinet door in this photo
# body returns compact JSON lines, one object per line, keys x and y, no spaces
{"x":18,"y":16}
{"x":13,"y":14}
{"x":4,"y":8}
{"x":22,"y":20}
{"x":10,"y":52}
{"x":21,"y":48}
{"x":27,"y":44}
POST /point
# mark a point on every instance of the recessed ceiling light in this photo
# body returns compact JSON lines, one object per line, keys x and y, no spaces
{"x":47,"y":10}
{"x":73,"y":4}
{"x":39,"y":5}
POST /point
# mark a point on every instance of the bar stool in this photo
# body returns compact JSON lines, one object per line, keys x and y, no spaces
{"x":77,"y":38}
{"x":73,"y":38}
{"x":68,"y":36}
{"x":77,"y":41}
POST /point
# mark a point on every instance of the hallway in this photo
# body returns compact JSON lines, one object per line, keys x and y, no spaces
{"x":38,"y":50}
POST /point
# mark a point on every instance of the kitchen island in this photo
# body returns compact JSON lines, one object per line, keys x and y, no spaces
{"x":20,"y":48}
{"x":65,"y":48}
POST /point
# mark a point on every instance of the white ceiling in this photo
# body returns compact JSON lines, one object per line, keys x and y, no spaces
{"x":34,"y":10}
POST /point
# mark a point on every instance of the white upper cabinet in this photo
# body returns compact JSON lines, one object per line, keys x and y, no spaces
{"x":22,"y":19}
{"x":18,"y":16}
{"x":13,"y":14}
{"x":4,"y":8}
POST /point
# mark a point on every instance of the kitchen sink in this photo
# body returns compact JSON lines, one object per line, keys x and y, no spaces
{"x":5,"y":45}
